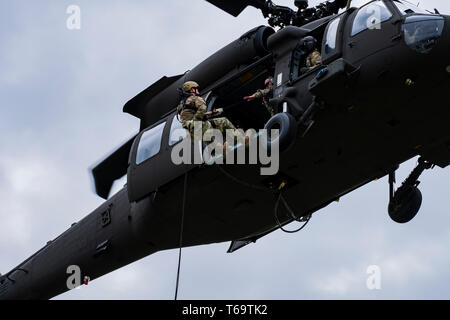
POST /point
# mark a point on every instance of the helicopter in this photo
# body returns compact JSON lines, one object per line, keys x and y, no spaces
{"x":350,"y":121}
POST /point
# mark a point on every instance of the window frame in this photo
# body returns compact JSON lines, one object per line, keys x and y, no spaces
{"x":358,"y":10}
{"x":338,"y":21}
{"x":340,"y":36}
{"x":154,"y":126}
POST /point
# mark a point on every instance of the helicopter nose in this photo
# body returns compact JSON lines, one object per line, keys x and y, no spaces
{"x":429,"y":36}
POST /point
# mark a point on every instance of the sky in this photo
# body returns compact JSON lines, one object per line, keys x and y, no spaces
{"x":62,"y":93}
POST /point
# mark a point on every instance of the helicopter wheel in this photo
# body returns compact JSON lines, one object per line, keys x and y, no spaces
{"x":405,"y":204}
{"x":287,"y":126}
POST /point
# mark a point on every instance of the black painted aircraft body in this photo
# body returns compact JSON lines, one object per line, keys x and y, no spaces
{"x":378,"y":99}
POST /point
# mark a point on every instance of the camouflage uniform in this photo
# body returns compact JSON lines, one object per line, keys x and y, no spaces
{"x":314,"y":59}
{"x":194,"y":111}
{"x":264,"y":95}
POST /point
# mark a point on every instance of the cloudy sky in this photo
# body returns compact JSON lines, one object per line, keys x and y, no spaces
{"x":61,"y":111}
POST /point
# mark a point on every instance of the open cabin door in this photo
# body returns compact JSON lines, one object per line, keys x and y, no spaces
{"x":150,"y":163}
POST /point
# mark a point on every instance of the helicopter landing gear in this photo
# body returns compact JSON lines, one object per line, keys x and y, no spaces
{"x":287,"y":127}
{"x":405,"y":202}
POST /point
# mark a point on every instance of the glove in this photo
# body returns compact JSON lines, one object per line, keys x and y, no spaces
{"x":214,"y":113}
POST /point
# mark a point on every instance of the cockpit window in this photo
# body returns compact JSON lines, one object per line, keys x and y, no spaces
{"x":330,"y":44}
{"x":370,"y":17}
{"x":150,"y":143}
{"x":177,"y":132}
{"x":422,"y":33}
{"x":406,"y":8}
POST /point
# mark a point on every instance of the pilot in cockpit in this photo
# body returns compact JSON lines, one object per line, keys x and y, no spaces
{"x":314,"y":59}
{"x":413,"y":34}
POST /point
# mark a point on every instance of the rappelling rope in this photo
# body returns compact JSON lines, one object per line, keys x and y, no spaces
{"x":181,"y":233}
{"x":280,"y":197}
{"x":279,"y":194}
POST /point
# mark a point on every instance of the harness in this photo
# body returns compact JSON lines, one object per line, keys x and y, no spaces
{"x":187,"y":107}
{"x":184,"y":96}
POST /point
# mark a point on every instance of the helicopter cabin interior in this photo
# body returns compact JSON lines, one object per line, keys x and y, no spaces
{"x":229,"y":93}
{"x":230,"y":96}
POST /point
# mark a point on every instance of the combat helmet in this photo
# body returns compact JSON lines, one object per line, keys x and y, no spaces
{"x":308,"y":44}
{"x":188,"y":85}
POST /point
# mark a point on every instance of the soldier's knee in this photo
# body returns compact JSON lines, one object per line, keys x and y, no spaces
{"x":227,"y":124}
{"x":219,"y":120}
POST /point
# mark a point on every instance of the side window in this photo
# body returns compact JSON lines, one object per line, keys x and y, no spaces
{"x":150,"y":143}
{"x":370,"y":17}
{"x":297,"y":60}
{"x":330,"y":44}
{"x":177,"y":132}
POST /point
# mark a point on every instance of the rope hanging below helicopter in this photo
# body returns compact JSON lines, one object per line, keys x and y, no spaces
{"x":279,"y":195}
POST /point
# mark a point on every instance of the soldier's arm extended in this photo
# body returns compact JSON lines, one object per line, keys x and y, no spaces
{"x":261,"y":93}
